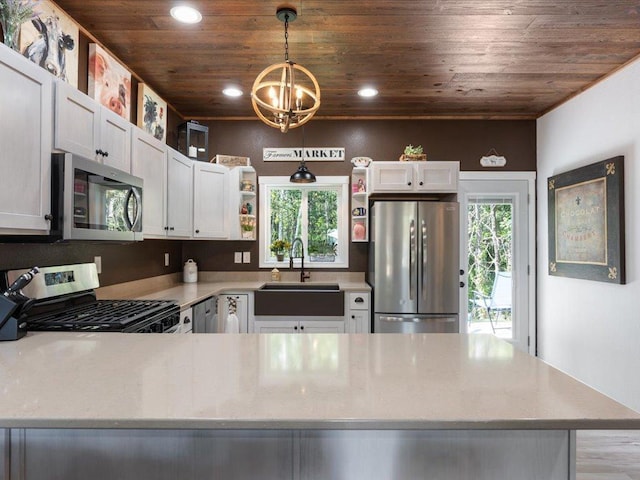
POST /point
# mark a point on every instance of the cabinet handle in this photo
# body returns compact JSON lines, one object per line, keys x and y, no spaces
{"x":421,"y":183}
{"x":106,"y":154}
{"x":197,"y":231}
{"x":301,"y":327}
{"x":295,"y":327}
{"x":48,"y":217}
{"x":353,"y":316}
{"x":171,"y":228}
{"x":99,"y":152}
{"x":409,"y":183}
{"x":359,"y":300}
{"x":461,"y":284}
{"x":186,"y":320}
{"x":166,"y":228}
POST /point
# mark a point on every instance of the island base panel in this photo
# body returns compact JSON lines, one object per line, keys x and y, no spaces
{"x":74,"y":454}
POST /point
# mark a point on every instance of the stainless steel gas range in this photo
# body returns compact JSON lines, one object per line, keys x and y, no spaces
{"x":63,"y":298}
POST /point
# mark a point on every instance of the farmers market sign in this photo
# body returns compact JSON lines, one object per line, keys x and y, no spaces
{"x":294,"y":154}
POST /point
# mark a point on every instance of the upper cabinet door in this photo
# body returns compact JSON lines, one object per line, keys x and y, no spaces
{"x":391,"y":177}
{"x":149,"y":162}
{"x":179,"y":195}
{"x":437,"y":176}
{"x":26,"y":105}
{"x":210,"y":219}
{"x":77,"y":121}
{"x":115,"y":140}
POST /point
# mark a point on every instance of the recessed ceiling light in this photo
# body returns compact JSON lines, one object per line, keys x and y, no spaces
{"x":232,"y":92}
{"x":186,"y":14}
{"x":368,"y":92}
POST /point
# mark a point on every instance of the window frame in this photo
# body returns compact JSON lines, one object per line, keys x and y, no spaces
{"x":340,"y":184}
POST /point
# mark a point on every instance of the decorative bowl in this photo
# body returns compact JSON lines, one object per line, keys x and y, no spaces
{"x":361,"y":161}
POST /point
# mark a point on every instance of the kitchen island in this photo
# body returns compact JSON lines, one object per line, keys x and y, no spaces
{"x":109,"y":405}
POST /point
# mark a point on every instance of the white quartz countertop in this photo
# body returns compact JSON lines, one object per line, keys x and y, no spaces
{"x":187,"y":294}
{"x":427,"y":381}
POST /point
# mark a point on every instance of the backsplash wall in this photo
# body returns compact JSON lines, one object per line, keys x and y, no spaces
{"x":121,"y":262}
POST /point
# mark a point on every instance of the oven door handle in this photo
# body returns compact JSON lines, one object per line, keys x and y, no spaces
{"x":133,"y":195}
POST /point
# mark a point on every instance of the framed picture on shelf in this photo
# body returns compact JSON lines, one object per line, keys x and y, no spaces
{"x":109,"y":81}
{"x":52,"y":26}
{"x":586,"y":222}
{"x":152,"y":112}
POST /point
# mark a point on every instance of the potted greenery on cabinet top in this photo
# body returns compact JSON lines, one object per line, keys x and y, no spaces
{"x":279,"y":248}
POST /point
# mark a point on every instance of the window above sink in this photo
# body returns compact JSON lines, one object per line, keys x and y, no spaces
{"x":317,"y":213}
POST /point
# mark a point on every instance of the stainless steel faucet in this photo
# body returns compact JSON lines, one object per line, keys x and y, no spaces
{"x":303,"y":276}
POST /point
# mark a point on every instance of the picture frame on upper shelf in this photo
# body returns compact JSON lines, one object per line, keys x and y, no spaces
{"x":231,"y":161}
{"x":152,"y":112}
{"x":586,"y":222}
{"x":109,"y":82}
{"x":52,"y":24}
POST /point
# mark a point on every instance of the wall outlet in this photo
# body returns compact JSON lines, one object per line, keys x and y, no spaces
{"x":246,"y":257}
{"x":166,"y":259}
{"x":237,"y":257}
{"x":98,"y":262}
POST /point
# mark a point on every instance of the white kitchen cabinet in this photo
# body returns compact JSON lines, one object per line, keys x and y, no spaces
{"x":299,"y":326}
{"x":419,"y":177}
{"x":186,"y":320}
{"x":358,"y":315}
{"x":149,"y":162}
{"x":25,"y":184}
{"x":391,"y":177}
{"x":179,"y":195}
{"x":241,"y":301}
{"x":210,"y":219}
{"x":437,"y":176}
{"x":86,"y":128}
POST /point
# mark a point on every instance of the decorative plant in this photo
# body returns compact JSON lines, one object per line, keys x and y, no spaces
{"x":279,"y":247}
{"x":411,"y":150}
{"x":14,"y":13}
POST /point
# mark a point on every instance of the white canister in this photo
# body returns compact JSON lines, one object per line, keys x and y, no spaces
{"x":190,"y":272}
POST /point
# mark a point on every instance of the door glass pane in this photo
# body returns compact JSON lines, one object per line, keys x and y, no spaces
{"x":490,"y":229}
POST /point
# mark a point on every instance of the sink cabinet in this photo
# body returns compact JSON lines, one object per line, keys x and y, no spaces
{"x":299,"y":326}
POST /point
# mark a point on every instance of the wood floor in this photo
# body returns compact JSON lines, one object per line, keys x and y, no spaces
{"x":608,"y":455}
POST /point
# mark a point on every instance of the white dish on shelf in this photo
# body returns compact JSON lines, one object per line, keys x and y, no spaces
{"x":361,"y":161}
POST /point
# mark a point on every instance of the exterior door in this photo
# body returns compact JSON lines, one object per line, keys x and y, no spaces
{"x":498,"y":256}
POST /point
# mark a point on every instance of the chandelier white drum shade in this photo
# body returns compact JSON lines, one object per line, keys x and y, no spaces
{"x":285,"y":95}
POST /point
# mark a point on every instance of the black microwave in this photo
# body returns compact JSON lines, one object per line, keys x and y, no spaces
{"x":92,"y":201}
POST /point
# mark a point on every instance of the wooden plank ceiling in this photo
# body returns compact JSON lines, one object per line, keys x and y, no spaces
{"x":428,"y":58}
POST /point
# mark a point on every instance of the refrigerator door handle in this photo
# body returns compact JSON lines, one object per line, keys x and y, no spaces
{"x":412,"y":259}
{"x":423,"y":249}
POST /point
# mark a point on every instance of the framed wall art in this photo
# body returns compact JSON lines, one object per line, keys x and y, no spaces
{"x":586,"y":222}
{"x":152,"y":112}
{"x":109,"y":82}
{"x":50,"y":39}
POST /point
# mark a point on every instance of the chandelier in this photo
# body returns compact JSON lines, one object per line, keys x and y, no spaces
{"x":285,"y":95}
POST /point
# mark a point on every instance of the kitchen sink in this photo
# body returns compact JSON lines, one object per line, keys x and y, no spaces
{"x":301,"y":286}
{"x":299,"y":300}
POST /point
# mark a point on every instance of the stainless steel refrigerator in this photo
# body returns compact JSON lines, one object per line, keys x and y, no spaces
{"x":414,"y":268}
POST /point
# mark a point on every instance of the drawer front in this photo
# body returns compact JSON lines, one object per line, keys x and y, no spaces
{"x":359,"y":301}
